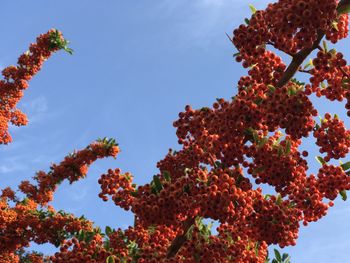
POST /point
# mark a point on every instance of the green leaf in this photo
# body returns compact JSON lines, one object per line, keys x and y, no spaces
{"x":255,"y":136}
{"x":317,"y":126}
{"x":217,"y":164}
{"x":280,"y":151}
{"x":247,"y":21}
{"x":236,"y":54}
{"x":186,"y":189}
{"x":278,"y":255}
{"x":134,"y":194}
{"x":279,"y":199}
{"x":309,"y":64}
{"x":57,"y":243}
{"x":345,"y":166}
{"x":292,"y":91}
{"x":89,"y":236}
{"x":108,"y":230}
{"x":256,"y":248}
{"x":325,"y":46}
{"x":343,"y":9}
{"x":81,"y":235}
{"x":205,"y":109}
{"x":98,"y":230}
{"x":267,"y":196}
{"x":258,"y":170}
{"x":157,"y":183}
{"x":271,"y":88}
{"x":274,"y":261}
{"x":288,"y":146}
{"x":343,"y":195}
{"x":166,"y":175}
{"x":259,"y":101}
{"x":320,"y":160}
{"x":262,"y":142}
{"x":107,"y":244}
{"x":110,"y":259}
{"x":335,"y":25}
{"x":284,"y":256}
{"x":252,"y":8}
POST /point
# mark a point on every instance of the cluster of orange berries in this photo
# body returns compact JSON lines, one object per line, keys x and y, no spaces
{"x":333,"y":138}
{"x":332,"y":180}
{"x":339,"y":29}
{"x":81,"y":251}
{"x":119,"y":186}
{"x":347,"y":105}
{"x":204,"y":179}
{"x":331,"y":67}
{"x":275,"y":221}
{"x":74,"y":167}
{"x":26,"y":222}
{"x":294,"y":24}
{"x":16,"y":80}
{"x":276,"y":164}
{"x":290,"y":108}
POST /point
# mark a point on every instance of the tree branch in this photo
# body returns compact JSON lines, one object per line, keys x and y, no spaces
{"x":297,"y":60}
{"x":343,"y":7}
{"x":180,"y":239}
{"x":344,"y":73}
{"x":304,"y":71}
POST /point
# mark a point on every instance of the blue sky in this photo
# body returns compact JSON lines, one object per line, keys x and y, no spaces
{"x":136,"y":65}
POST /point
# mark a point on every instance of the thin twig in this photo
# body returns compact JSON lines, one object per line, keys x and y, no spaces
{"x":229,"y":38}
{"x":344,"y":73}
{"x":297,"y":60}
{"x":304,"y":71}
{"x":273,"y":44}
{"x":180,"y":239}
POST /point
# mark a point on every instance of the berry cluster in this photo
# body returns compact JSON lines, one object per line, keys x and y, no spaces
{"x":332,"y":180}
{"x":295,"y":24}
{"x":119,"y":186}
{"x":206,"y":177}
{"x":330,"y":67}
{"x":73,"y":168}
{"x":276,"y":163}
{"x":16,"y":80}
{"x":333,"y":138}
{"x":339,"y":29}
{"x":291,"y":109}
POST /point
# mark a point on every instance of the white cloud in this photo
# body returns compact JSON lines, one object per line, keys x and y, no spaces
{"x":36,"y":109}
{"x":38,"y":105}
{"x":78,"y":194}
{"x":12,"y":164}
{"x":201,"y":22}
{"x":6,"y":169}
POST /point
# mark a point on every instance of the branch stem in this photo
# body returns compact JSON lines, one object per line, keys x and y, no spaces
{"x":297,"y":60}
{"x":180,"y":239}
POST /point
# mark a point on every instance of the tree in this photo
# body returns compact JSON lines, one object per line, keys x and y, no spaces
{"x":227,"y":151}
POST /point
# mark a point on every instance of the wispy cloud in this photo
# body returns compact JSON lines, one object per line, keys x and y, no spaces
{"x":79,"y":194}
{"x":36,"y":109}
{"x":4,"y":169}
{"x":201,"y":22}
{"x":12,"y":164}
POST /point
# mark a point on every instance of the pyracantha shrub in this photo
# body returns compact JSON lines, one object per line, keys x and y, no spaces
{"x":227,"y":151}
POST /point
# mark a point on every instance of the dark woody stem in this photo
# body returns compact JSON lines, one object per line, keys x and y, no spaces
{"x":180,"y":239}
{"x":299,"y":57}
{"x":297,"y":60}
{"x":294,"y":66}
